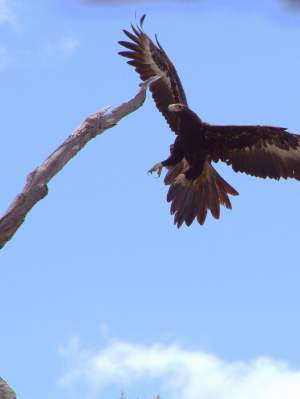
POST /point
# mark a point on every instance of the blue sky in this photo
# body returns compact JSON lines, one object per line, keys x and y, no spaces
{"x":100,"y":292}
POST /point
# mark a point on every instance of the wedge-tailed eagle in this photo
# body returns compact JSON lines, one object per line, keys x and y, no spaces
{"x":195,"y":186}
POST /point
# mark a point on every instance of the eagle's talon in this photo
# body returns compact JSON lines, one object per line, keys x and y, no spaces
{"x":156,"y":168}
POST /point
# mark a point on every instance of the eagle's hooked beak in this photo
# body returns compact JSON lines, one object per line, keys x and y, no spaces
{"x":176,"y":107}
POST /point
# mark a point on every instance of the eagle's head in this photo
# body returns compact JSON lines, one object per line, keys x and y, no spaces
{"x":177,"y":107}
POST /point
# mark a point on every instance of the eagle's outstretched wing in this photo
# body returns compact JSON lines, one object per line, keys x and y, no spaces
{"x":150,"y":59}
{"x":261,"y":151}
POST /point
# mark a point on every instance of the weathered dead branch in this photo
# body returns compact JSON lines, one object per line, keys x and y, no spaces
{"x":36,"y":184}
{"x":5,"y":390}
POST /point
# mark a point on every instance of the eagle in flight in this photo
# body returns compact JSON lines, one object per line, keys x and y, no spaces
{"x":195,"y":186}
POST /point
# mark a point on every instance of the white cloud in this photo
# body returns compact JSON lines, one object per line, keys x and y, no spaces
{"x":178,"y":373}
{"x":7,"y":14}
{"x":68,"y":45}
{"x":63,"y":48}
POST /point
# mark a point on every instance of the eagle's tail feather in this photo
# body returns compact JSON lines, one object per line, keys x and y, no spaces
{"x":192,"y":199}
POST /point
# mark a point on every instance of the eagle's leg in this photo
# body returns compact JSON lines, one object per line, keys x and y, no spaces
{"x":195,"y":169}
{"x":156,"y":168}
{"x":175,"y":157}
{"x":171,"y":161}
{"x":187,"y":178}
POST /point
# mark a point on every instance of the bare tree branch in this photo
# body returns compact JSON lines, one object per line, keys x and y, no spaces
{"x":36,"y":184}
{"x":5,"y":390}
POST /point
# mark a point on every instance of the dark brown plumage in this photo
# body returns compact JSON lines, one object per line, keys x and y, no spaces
{"x":195,"y":186}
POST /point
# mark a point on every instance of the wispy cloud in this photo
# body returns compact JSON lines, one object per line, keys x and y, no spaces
{"x":68,"y":46}
{"x":7,"y":14}
{"x":178,"y":373}
{"x":63,"y":48}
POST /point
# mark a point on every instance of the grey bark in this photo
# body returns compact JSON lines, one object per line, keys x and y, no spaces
{"x":5,"y":390}
{"x":36,"y":188}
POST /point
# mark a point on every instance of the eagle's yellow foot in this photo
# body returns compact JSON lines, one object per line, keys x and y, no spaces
{"x":157,"y":168}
